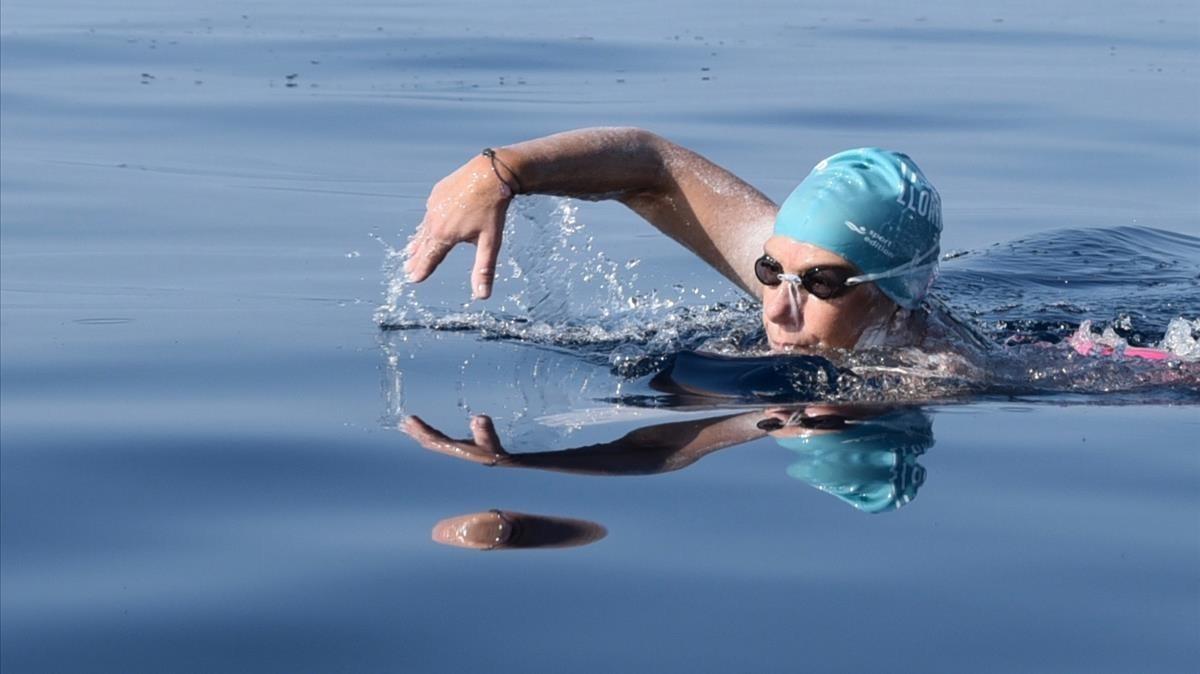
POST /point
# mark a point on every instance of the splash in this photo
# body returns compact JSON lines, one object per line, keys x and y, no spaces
{"x":567,"y":295}
{"x":1183,"y":339}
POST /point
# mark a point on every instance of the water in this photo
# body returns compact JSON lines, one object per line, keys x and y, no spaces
{"x":201,"y":458}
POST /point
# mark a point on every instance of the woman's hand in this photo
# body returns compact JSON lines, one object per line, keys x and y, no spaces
{"x":469,"y":206}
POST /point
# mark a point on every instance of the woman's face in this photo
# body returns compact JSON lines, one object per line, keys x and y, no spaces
{"x":796,"y":320}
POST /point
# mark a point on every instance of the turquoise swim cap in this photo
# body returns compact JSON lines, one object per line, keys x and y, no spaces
{"x":871,"y":464}
{"x":876,"y":209}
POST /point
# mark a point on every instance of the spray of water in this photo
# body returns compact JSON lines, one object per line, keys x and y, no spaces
{"x":566,"y":294}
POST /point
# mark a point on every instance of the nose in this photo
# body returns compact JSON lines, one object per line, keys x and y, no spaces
{"x":784,"y":305}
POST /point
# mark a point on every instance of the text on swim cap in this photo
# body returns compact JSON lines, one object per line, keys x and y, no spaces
{"x":920,"y":200}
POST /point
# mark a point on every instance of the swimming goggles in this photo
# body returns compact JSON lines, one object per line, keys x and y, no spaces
{"x":823,"y":283}
{"x":826,"y":283}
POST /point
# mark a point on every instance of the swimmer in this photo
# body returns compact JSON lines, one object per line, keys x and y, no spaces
{"x":845,"y":263}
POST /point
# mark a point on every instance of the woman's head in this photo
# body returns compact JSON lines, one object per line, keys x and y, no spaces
{"x":870,"y":223}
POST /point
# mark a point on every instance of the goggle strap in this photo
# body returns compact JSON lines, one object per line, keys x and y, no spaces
{"x":790,"y":278}
{"x":916,"y":265}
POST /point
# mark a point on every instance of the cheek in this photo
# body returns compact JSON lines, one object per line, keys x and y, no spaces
{"x":834,"y":324}
{"x":848,"y":312}
{"x":843,"y":323}
{"x":820,"y":316}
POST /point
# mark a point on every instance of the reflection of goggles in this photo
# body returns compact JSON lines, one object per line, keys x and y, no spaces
{"x":823,"y":422}
{"x":823,"y":283}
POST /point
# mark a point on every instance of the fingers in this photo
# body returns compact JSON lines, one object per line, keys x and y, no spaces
{"x":428,"y":436}
{"x":460,"y":209}
{"x":425,"y":254}
{"x":484,"y":273}
{"x":484,"y":432}
{"x":435,"y":441}
{"x":484,"y":449}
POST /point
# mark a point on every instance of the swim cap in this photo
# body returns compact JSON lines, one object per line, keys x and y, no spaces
{"x":871,"y":464}
{"x":876,"y":209}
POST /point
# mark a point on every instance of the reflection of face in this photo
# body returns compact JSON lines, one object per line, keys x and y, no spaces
{"x":794,"y":319}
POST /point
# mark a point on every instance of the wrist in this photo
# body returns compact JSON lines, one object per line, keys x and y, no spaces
{"x":500,"y":162}
{"x":501,"y":459}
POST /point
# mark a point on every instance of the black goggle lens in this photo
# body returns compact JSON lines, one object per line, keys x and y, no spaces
{"x":767,"y":270}
{"x":821,"y":282}
{"x":825,"y":422}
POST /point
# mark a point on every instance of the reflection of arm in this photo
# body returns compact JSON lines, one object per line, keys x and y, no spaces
{"x":645,"y":451}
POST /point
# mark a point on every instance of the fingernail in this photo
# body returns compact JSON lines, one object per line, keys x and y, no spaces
{"x":481,"y":291}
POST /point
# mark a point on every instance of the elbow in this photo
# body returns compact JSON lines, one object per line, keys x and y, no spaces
{"x":652,"y":142}
{"x":653,"y":153}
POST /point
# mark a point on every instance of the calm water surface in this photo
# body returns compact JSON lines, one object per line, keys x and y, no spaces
{"x":202,"y":467}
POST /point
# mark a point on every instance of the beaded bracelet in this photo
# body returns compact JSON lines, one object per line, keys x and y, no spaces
{"x":491,"y":154}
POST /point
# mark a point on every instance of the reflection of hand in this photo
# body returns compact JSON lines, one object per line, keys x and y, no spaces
{"x":484,"y":449}
{"x":505,"y":529}
{"x":466,"y":206}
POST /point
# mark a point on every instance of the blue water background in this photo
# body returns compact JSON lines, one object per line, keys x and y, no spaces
{"x":199,"y":462}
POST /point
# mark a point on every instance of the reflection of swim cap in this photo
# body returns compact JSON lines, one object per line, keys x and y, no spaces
{"x":871,"y":464}
{"x":876,"y":209}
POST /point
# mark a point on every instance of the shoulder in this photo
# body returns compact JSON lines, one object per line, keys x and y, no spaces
{"x":943,"y":330}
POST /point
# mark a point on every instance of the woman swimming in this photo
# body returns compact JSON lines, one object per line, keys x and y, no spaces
{"x":845,"y":263}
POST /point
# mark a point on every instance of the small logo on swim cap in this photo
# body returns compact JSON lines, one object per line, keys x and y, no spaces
{"x":873,"y":239}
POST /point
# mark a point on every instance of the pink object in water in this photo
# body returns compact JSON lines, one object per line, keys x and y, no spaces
{"x":1087,"y":347}
{"x":1147,"y":353}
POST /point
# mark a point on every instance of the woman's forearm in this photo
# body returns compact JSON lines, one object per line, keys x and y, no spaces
{"x":709,"y":210}
{"x":599,"y":163}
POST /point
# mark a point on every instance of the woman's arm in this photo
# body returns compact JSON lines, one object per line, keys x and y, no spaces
{"x":699,"y":204}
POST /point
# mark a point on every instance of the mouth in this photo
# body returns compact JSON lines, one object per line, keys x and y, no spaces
{"x":777,"y":345}
{"x":788,"y":337}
